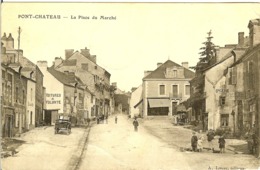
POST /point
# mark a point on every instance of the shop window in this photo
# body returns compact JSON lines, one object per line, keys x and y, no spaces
{"x":224,"y":120}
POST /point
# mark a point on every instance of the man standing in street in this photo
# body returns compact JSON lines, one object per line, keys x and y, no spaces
{"x":194,"y":142}
{"x":136,"y":124}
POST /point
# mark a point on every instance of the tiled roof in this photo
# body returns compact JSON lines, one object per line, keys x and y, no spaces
{"x":159,"y":73}
{"x":64,"y":78}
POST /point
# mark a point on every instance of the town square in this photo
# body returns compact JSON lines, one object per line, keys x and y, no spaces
{"x":130,"y":86}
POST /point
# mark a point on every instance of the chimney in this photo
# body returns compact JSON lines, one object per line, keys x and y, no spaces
{"x":146,"y":73}
{"x":246,"y":41}
{"x":241,"y":39}
{"x":159,"y":64}
{"x":254,"y":32}
{"x":42,"y":65}
{"x":58,"y":61}
{"x":10,"y":41}
{"x":68,"y":53}
{"x":85,"y":52}
{"x":94,"y":58}
{"x":3,"y":49}
{"x":133,"y":89}
{"x":3,"y":40}
{"x":114,"y":84}
{"x":185,"y":65}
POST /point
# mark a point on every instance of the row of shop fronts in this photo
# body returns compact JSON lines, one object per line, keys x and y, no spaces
{"x":35,"y":94}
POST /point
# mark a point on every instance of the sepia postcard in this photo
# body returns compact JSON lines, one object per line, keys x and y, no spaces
{"x":130,"y":86}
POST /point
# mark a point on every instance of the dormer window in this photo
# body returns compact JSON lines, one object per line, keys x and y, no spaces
{"x":171,"y":72}
{"x":174,"y":73}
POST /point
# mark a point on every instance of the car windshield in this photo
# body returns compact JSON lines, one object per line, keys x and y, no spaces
{"x":64,"y":118}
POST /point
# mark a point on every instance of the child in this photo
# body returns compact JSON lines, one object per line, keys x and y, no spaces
{"x":136,"y":124}
{"x":221,"y":142}
{"x":194,"y":142}
{"x":200,"y":141}
{"x":116,"y":119}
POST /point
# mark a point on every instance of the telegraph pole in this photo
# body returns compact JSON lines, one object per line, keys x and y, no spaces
{"x":19,"y":34}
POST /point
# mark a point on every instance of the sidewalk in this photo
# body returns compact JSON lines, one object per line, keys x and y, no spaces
{"x":233,"y":146}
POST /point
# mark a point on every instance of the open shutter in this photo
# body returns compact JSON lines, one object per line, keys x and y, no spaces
{"x":234,"y":75}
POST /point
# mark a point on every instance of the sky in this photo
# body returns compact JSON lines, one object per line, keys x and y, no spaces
{"x":142,"y":35}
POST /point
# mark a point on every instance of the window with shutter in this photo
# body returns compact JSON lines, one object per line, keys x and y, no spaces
{"x":234,"y":75}
{"x":162,"y":90}
{"x":230,"y":76}
{"x":250,"y":75}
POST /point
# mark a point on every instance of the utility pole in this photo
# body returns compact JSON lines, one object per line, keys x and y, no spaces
{"x":19,"y":34}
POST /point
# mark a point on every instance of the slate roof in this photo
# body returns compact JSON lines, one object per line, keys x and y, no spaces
{"x":159,"y":73}
{"x":65,"y":78}
{"x":70,"y":62}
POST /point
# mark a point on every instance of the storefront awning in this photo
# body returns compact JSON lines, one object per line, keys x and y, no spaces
{"x":158,"y":103}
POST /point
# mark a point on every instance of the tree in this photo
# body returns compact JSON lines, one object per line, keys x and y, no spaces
{"x":206,"y":54}
{"x":208,"y":51}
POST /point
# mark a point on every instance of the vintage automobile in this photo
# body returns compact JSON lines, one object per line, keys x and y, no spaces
{"x":63,"y":124}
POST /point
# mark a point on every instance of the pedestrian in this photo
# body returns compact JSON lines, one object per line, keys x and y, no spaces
{"x":221,"y":142}
{"x":136,"y":124}
{"x":106,"y":118}
{"x":116,"y":119}
{"x":255,"y":143}
{"x":210,"y":137}
{"x":194,"y":142}
{"x":88,"y":121}
{"x":98,"y":120}
{"x":200,"y":141}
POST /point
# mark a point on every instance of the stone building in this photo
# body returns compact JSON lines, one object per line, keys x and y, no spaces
{"x":14,"y":100}
{"x":65,"y":94}
{"x":11,"y":56}
{"x":211,"y":99}
{"x":85,"y":66}
{"x":244,"y":76}
{"x":165,"y":88}
{"x":135,"y":102}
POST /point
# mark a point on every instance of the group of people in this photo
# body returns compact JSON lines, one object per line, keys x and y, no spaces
{"x":197,"y":141}
{"x":135,"y":123}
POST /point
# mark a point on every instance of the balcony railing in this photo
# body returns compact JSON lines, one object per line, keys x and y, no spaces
{"x":175,"y":96}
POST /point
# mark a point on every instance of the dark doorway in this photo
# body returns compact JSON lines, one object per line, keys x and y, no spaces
{"x":174,"y":108}
{"x":47,"y":117}
{"x":158,"y":111}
